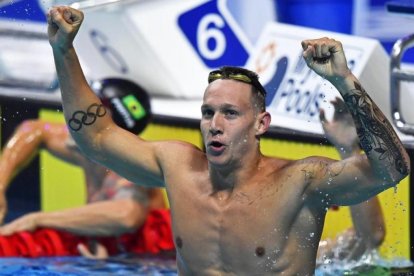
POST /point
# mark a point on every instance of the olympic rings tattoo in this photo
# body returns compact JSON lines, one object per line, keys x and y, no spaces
{"x":80,"y":118}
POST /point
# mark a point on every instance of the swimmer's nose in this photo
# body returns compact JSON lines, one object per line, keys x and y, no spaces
{"x":215,"y":131}
{"x":216,"y":125}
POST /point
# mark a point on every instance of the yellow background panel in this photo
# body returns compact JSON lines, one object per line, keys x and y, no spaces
{"x":162,"y":132}
{"x":395,"y":204}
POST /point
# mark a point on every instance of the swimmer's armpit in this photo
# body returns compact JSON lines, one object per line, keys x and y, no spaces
{"x":80,"y":118}
{"x":376,"y":135}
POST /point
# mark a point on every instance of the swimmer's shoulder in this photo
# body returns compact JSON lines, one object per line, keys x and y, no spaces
{"x":179,"y":156}
{"x":287,"y":164}
{"x":175,"y":149}
{"x":177,"y":144}
{"x":310,"y":163}
{"x":314,"y":160}
{"x":276,"y":164}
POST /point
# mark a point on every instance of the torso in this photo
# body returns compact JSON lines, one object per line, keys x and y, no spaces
{"x":265,"y":227}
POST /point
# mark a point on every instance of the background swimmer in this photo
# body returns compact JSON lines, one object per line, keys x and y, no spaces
{"x":114,"y":204}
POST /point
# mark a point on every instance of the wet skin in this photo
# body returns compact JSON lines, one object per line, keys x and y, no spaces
{"x":234,"y":210}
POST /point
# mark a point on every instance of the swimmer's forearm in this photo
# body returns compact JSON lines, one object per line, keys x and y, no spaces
{"x":377,"y":136}
{"x":18,"y":152}
{"x":7,"y":172}
{"x":106,"y":218}
{"x":72,"y":81}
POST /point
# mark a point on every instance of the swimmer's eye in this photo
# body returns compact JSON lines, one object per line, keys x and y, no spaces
{"x":231,"y":113}
{"x":207,"y":113}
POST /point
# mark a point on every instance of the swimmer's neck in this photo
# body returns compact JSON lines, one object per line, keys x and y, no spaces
{"x":233,"y":176}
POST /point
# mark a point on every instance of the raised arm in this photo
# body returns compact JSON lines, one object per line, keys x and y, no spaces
{"x":385,"y":161}
{"x":367,"y":217}
{"x":89,"y":122}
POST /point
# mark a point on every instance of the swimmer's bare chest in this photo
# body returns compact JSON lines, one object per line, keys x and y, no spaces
{"x":245,"y":231}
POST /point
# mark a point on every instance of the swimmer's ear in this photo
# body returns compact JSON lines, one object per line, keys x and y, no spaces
{"x":262,"y":123}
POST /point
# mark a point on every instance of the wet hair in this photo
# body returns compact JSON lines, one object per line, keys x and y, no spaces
{"x":242,"y":75}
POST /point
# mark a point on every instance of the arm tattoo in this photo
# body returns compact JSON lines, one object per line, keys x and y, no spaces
{"x":80,"y":118}
{"x":324,"y":168}
{"x":375,"y":133}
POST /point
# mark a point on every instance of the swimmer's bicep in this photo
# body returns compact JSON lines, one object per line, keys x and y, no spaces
{"x":164,"y":160}
{"x":344,"y":182}
{"x":132,"y":157}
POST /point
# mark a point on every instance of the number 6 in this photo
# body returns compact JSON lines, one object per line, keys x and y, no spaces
{"x":204,"y":34}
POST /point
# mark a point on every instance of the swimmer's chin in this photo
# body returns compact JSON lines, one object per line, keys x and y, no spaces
{"x":219,"y":161}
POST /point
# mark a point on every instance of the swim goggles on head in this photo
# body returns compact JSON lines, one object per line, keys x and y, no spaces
{"x":218,"y":74}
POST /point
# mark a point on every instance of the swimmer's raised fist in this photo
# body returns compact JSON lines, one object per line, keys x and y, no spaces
{"x":63,"y":25}
{"x":326,"y":57}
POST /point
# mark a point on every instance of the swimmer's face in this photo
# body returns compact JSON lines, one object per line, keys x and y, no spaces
{"x":229,"y":123}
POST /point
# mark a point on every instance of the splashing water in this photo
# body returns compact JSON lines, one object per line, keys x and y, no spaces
{"x":341,"y":259}
{"x":371,"y":263}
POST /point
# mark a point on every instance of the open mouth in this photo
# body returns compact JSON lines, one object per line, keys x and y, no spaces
{"x":216,"y":146}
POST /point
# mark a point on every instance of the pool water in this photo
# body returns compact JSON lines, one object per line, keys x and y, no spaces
{"x":166,"y":265}
{"x":79,"y":266}
{"x":370,"y":264}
